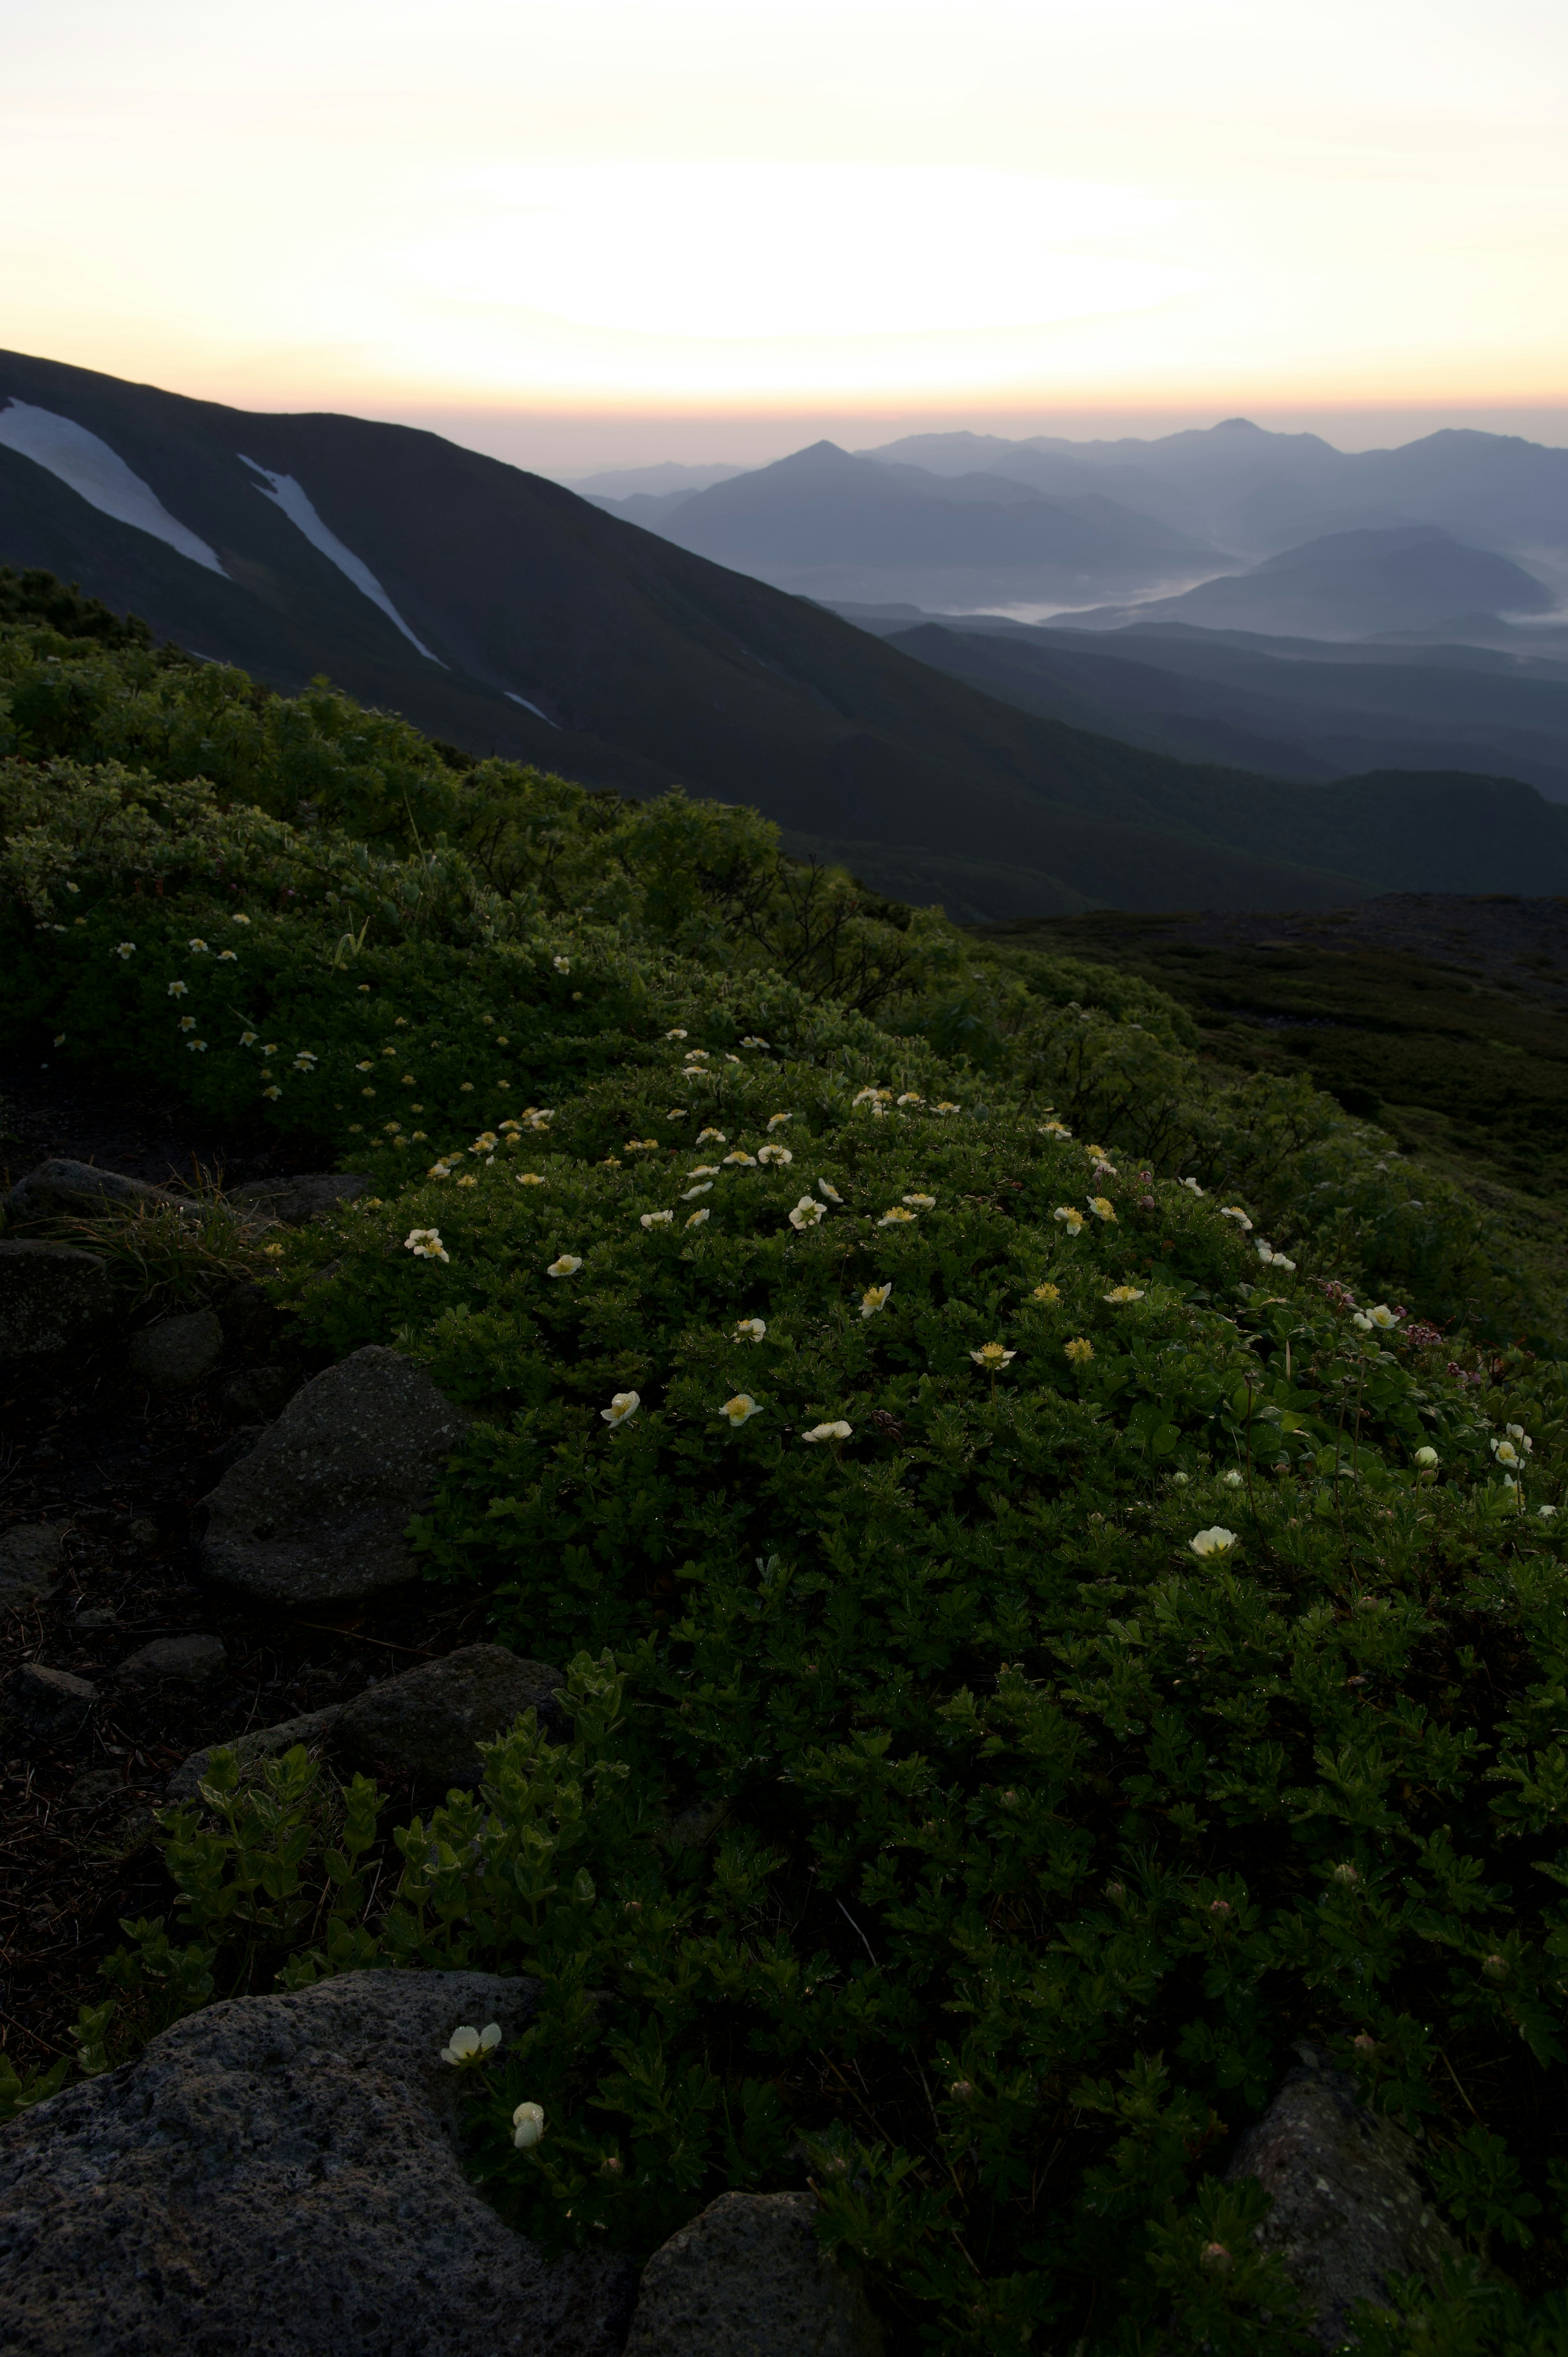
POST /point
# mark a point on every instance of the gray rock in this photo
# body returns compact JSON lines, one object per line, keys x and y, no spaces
{"x":190,"y":1657}
{"x":316,"y":1512}
{"x":257,"y":1393}
{"x":1348,"y":2210}
{"x":296,"y":1200}
{"x":429,"y":1722}
{"x":29,"y":1560}
{"x":748,"y":2278}
{"x":175,"y":1355}
{"x":51,"y":1297}
{"x":61,"y":1187}
{"x":279,"y":2177}
{"x":99,"y":1786}
{"x":50,"y":1703}
{"x":261,"y":1743}
{"x":97,"y":1616}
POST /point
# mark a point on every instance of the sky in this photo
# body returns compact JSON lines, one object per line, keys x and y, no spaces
{"x":609,"y":232}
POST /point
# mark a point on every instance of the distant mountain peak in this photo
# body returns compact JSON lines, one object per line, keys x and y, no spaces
{"x":1237,"y":421}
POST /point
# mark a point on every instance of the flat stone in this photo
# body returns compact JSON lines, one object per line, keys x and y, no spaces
{"x":294,"y":1202}
{"x":1348,"y":2210}
{"x":256,"y":1395}
{"x":50,"y":1703}
{"x":748,"y":2278}
{"x":428,"y":1723}
{"x":190,"y":1657}
{"x":280,"y":2177}
{"x":261,"y":1743}
{"x":61,"y":1185}
{"x":175,"y":1355}
{"x":51,"y":1297}
{"x":99,"y":1786}
{"x":29,"y":1560}
{"x":316,"y":1512}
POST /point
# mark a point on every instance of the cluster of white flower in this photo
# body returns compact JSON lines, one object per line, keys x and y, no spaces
{"x":426,"y":1243}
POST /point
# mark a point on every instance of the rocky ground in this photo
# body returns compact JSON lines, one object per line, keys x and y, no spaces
{"x":114,"y":1471}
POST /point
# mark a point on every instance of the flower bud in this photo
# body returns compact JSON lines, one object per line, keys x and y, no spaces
{"x":527,"y":2125}
{"x":1494,"y":1967}
{"x":1216,"y":2259}
{"x":1365,"y":2047}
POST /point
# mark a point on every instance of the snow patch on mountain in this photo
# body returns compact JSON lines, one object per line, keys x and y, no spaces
{"x":296,"y":502}
{"x":530,"y":707}
{"x":98,"y":475}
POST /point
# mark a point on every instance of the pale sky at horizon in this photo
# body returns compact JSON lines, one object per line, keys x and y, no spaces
{"x":613,"y":231}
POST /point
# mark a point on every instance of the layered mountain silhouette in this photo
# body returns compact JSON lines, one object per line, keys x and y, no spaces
{"x":504,"y":613}
{"x":826,"y":524}
{"x":1348,"y":584}
{"x":1293,"y":708}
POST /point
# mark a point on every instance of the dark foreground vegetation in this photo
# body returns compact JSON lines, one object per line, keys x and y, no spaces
{"x":1055,"y":1534}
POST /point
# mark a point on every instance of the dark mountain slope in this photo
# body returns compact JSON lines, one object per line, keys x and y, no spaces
{"x":660,"y":667}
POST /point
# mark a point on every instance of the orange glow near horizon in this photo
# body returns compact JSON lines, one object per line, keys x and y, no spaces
{"x":569,"y":230}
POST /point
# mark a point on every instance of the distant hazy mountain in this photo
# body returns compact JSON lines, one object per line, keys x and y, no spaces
{"x":1291,"y":707}
{"x":1257,"y":492}
{"x":657,"y":481}
{"x":827,"y":525}
{"x":1348,"y":584}
{"x":503,"y":612}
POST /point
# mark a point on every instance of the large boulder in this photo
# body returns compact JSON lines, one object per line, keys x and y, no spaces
{"x":1348,"y":2210}
{"x":428,"y":1723}
{"x":316,"y":1512}
{"x":52,"y":1297}
{"x":748,"y":2278}
{"x":59,"y":1188}
{"x":175,"y":1355}
{"x":51,"y":1704}
{"x":280,"y":2177}
{"x":30,"y":1561}
{"x":294,"y":1201}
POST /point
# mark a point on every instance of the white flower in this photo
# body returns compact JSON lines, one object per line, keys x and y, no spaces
{"x":675,"y":1035}
{"x":1381,"y":1317}
{"x":273,"y":1092}
{"x":188,"y":1022}
{"x":624,"y":1404}
{"x":426,"y":1243}
{"x":743,"y":1161}
{"x":992,"y":1356}
{"x":305,"y":1061}
{"x":365,"y":1067}
{"x":696,"y":1218}
{"x":840,"y":1431}
{"x":909,"y":1097}
{"x":467,"y":2043}
{"x":196,"y":1046}
{"x":1234,"y":1211}
{"x":870,"y":1097}
{"x":124,"y":949}
{"x":695,"y":1055}
{"x":531,"y":1178}
{"x":750,"y":1330}
{"x":778,"y":1120}
{"x":527,"y":2125}
{"x":777,"y":1154}
{"x":874,"y":1299}
{"x":1193,"y":1189}
{"x":1216,"y":1541}
{"x":199,"y":947}
{"x":1506,"y":1453}
{"x":562,"y":965}
{"x":754,"y":1043}
{"x":921,"y":1202}
{"x":692,"y":1193}
{"x":227,"y":957}
{"x":740,"y":1409}
{"x":896,"y":1217}
{"x":1232,"y":1479}
{"x":1101,"y":1205}
{"x":1122,"y":1293}
{"x":710,"y":1137}
{"x":1054,"y":1129}
{"x":567,"y":1265}
{"x":179,"y":990}
{"x":1426,"y":1458}
{"x":1517,"y":1432}
{"x":1546,"y":1512}
{"x":807,"y":1213}
{"x":1272,"y":1259}
{"x":946,"y":1106}
{"x":656,"y":1218}
{"x":237,"y":919}
{"x":831,"y":1192}
{"x":1070,"y":1217}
